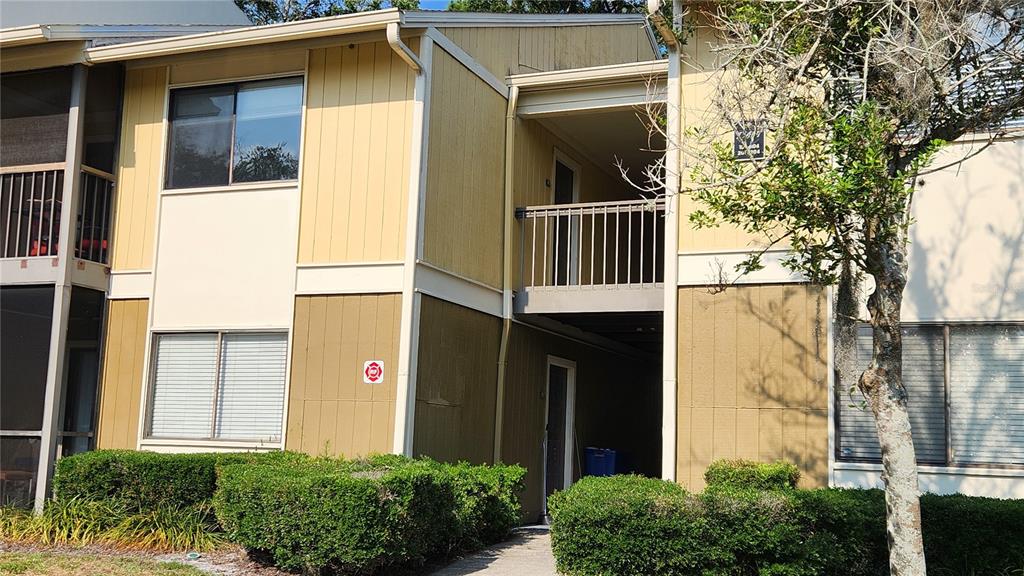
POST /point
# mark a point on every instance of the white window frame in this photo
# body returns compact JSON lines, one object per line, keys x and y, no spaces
{"x":211,"y":439}
{"x":950,"y":462}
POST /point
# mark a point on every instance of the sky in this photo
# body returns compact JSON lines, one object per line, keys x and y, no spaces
{"x":433,"y":4}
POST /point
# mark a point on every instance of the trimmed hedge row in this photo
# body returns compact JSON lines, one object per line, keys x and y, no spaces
{"x":628,"y":525}
{"x":362,"y":516}
{"x":747,"y":474}
{"x":149,"y":480}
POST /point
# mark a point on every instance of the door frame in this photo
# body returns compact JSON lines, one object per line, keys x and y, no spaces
{"x":574,"y":250}
{"x":570,"y":413}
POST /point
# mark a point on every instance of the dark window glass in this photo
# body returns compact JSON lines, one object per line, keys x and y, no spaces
{"x":267,"y":131}
{"x":19,"y":462}
{"x":24,"y":353}
{"x":102,"y":105}
{"x":235,"y":133}
{"x":200,"y":140}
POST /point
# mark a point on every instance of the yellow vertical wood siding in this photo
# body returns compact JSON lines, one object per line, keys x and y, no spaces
{"x":697,"y":86}
{"x":465,"y":173}
{"x":456,"y":382}
{"x":124,"y":349}
{"x":330,"y":409}
{"x":138,"y":173}
{"x":752,"y":382}
{"x":618,"y":405}
{"x":505,"y":51}
{"x":355,"y":154}
{"x":247,"y":62}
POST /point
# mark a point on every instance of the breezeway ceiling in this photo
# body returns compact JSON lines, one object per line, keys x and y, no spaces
{"x":605,"y":136}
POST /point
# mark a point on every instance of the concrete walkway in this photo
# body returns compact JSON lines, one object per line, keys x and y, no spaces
{"x":527,"y":552}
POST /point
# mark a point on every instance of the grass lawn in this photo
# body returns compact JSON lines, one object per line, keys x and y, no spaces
{"x":51,"y":564}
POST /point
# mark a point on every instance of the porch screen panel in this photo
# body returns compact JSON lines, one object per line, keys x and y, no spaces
{"x":252,"y":375}
{"x":184,"y":381}
{"x":923,"y":366}
{"x":987,"y":394}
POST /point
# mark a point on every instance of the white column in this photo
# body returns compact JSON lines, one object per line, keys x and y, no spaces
{"x":62,"y":288}
{"x":409,"y":329}
{"x":669,"y":360}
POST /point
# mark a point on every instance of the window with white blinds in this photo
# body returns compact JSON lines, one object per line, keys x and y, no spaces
{"x":986,"y":381}
{"x":227,"y":386}
{"x":923,"y":360}
{"x":984,"y":388}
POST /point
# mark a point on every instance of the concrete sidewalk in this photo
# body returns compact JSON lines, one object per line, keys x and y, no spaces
{"x":527,"y":552}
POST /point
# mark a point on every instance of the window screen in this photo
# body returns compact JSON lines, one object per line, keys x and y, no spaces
{"x":231,"y":133}
{"x":923,"y":360}
{"x":227,"y":386}
{"x":986,"y":382}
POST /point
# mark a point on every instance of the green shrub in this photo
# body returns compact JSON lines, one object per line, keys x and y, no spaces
{"x":317,"y":517}
{"x":627,"y":525}
{"x":748,"y":474}
{"x":972,"y":535}
{"x":148,"y":480}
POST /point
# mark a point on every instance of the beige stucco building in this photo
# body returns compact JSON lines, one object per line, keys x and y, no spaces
{"x":409,"y":232}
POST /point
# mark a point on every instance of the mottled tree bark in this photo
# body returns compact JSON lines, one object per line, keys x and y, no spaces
{"x":882,"y":384}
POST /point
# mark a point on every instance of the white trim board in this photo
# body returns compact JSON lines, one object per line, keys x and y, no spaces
{"x":587,"y":99}
{"x":453,"y":50}
{"x":972,"y":481}
{"x":35,"y":270}
{"x":702,"y":269}
{"x":349,"y":278}
{"x":451,"y":287}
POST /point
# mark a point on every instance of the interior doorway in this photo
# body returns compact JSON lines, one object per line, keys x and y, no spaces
{"x":558,"y":435}
{"x":566,"y":249}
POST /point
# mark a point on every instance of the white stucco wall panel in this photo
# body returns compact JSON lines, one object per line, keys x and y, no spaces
{"x":226,"y":259}
{"x":967,"y":243}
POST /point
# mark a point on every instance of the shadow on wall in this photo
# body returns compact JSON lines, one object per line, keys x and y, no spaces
{"x":799,"y":384}
{"x":967,"y":243}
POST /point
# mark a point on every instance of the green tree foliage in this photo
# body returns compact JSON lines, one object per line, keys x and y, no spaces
{"x":274,"y":11}
{"x":856,"y":98}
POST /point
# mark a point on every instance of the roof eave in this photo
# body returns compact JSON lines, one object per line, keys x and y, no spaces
{"x":248,"y":36}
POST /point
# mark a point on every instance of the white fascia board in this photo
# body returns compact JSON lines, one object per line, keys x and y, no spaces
{"x":253,"y":35}
{"x":595,"y":75}
{"x":23,"y":36}
{"x":490,"y":20}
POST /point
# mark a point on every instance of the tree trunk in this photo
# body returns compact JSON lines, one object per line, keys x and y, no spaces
{"x":882,"y":384}
{"x":847,"y":309}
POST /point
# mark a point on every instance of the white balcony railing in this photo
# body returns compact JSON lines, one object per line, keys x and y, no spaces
{"x":609,"y":244}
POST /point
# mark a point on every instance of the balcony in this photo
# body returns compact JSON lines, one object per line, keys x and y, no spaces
{"x":591,"y":257}
{"x":31,"y":202}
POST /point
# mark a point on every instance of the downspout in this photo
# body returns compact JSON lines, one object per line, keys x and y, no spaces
{"x":400,"y":48}
{"x":506,"y":292}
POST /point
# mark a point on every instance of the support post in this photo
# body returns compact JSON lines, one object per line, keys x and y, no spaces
{"x":55,"y":372}
{"x":409,"y":327}
{"x":670,"y":316}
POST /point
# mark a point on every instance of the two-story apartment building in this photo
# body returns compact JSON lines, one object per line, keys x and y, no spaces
{"x":409,"y":232}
